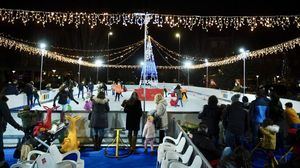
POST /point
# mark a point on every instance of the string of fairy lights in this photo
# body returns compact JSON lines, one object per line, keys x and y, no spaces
{"x":279,"y":48}
{"x":282,"y":47}
{"x":174,"y":54}
{"x":117,"y":51}
{"x":108,"y":19}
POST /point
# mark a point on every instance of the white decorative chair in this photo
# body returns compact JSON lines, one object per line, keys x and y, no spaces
{"x":44,"y":160}
{"x":172,"y":140}
{"x":172,"y":156}
{"x":197,"y":163}
{"x":163,"y":149}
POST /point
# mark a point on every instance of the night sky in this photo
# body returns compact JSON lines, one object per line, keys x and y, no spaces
{"x":197,"y":43}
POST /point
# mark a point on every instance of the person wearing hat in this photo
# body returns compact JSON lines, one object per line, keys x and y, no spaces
{"x":234,"y":122}
{"x":5,"y":117}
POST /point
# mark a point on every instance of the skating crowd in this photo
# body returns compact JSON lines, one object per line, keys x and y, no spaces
{"x":228,"y":135}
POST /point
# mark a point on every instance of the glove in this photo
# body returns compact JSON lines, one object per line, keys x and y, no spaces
{"x":77,"y":102}
{"x":54,"y":105}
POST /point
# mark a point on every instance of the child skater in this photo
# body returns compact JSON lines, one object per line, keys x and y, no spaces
{"x":149,"y":133}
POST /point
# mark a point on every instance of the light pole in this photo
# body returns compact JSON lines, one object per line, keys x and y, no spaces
{"x":79,"y":63}
{"x":108,"y":35}
{"x":42,"y":47}
{"x":188,"y":65}
{"x":206,"y":64}
{"x":177,"y":35}
{"x":244,"y":55}
{"x":257,"y":82}
{"x":98,"y":64}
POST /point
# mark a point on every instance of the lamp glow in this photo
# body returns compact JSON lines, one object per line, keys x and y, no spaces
{"x":98,"y":63}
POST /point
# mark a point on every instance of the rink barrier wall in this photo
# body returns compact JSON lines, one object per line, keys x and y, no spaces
{"x":18,"y":101}
{"x":116,"y":119}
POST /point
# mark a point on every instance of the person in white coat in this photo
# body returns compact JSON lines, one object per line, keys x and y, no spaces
{"x":161,"y":111}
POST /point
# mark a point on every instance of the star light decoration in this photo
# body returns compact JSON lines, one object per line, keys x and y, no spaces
{"x":186,"y":21}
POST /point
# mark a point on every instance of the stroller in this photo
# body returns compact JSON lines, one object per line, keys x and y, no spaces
{"x":52,"y":156}
{"x":29,"y":121}
{"x":35,"y":128}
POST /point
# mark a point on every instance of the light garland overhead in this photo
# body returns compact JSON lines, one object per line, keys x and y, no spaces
{"x":285,"y":46}
{"x":186,"y":21}
{"x":173,"y":54}
{"x":18,"y":46}
{"x":113,"y":51}
{"x":115,"y":55}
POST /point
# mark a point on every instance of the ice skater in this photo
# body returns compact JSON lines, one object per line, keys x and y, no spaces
{"x":36,"y":97}
{"x":81,"y":89}
{"x":63,"y":95}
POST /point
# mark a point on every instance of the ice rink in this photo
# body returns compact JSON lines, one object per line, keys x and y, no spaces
{"x":194,"y":103}
{"x":191,"y":107}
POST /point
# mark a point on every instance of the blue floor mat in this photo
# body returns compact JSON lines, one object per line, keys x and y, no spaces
{"x":260,"y":157}
{"x":95,"y":159}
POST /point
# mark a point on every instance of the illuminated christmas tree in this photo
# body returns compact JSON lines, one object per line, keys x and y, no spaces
{"x":149,"y":73}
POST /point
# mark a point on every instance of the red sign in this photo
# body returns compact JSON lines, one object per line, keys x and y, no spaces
{"x":150,"y":93}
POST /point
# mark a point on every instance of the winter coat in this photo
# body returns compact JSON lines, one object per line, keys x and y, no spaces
{"x":178,"y":93}
{"x":235,"y":118}
{"x":259,"y":109}
{"x":35,"y":94}
{"x":5,"y":116}
{"x":90,"y":86}
{"x":80,"y":86}
{"x":134,"y":113}
{"x":88,"y":105}
{"x":12,"y":89}
{"x":292,"y":116}
{"x":269,"y":136}
{"x":161,"y":111}
{"x":104,"y":86}
{"x":205,"y":145}
{"x":63,"y":97}
{"x":28,"y":89}
{"x":118,"y":89}
{"x":211,"y":116}
{"x":99,"y":114}
{"x":276,"y":112}
{"x":149,"y":130}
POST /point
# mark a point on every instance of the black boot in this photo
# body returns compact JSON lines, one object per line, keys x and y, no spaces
{"x":100,"y":139}
{"x":96,"y":142}
{"x":133,"y":144}
{"x":130,"y":141}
